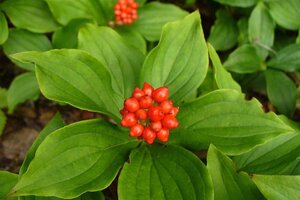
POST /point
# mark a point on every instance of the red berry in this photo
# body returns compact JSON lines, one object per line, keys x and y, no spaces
{"x":149,"y":135}
{"x":174,"y":111}
{"x":123,"y":111}
{"x":141,"y":114}
{"x":163,"y":135}
{"x":129,"y":120}
{"x":138,"y":93}
{"x":136,"y":130}
{"x":146,"y":102}
{"x":148,"y":89}
{"x":166,"y":106}
{"x":155,"y":113}
{"x":131,"y":104}
{"x":160,"y":94}
{"x":156,"y":126}
{"x":170,"y":122}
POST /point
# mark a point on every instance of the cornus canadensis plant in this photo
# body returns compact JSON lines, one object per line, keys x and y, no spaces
{"x":126,"y":12}
{"x":149,"y":114}
{"x":68,"y":161}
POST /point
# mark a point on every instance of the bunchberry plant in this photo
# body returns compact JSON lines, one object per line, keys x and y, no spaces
{"x":126,"y":12}
{"x":87,"y":156}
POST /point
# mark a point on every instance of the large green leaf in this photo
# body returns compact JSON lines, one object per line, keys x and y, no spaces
{"x":85,"y":156}
{"x":75,"y":77}
{"x":2,"y":121}
{"x":223,"y":78}
{"x":243,"y":26}
{"x":261,"y":29}
{"x":153,"y":16}
{"x":3,"y":28}
{"x":8,"y":181}
{"x":228,"y":183}
{"x":286,"y":13}
{"x":32,"y":15}
{"x":180,"y":60}
{"x":227,"y":120}
{"x":282,"y":91}
{"x":244,"y":60}
{"x":3,"y":97}
{"x":55,"y":123}
{"x":224,"y":32}
{"x":85,"y":196}
{"x":24,"y":87}
{"x":278,"y":187}
{"x":287,"y":59}
{"x":66,"y":10}
{"x":67,"y":36}
{"x":22,"y":40}
{"x":238,"y":3}
{"x":123,"y":60}
{"x":162,"y":173}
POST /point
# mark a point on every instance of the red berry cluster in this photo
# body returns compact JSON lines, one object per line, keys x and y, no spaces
{"x":125,"y":11}
{"x":149,"y":114}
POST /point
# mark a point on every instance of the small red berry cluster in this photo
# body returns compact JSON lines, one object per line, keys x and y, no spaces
{"x":125,"y":12}
{"x":149,"y":114}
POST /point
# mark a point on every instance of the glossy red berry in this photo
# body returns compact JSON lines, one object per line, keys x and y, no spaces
{"x":160,"y":94}
{"x":155,"y":113}
{"x":149,"y":135}
{"x":129,"y":120}
{"x":163,"y":135}
{"x":131,"y":104}
{"x":138,"y":93}
{"x":148,"y":89}
{"x":123,"y":111}
{"x":166,"y":106}
{"x":170,"y":122}
{"x":141,"y":114}
{"x":146,"y":102}
{"x":136,"y":130}
{"x":174,"y":111}
{"x":156,"y":126}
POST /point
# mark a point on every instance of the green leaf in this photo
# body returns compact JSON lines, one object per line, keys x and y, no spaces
{"x":22,"y":40}
{"x":75,"y":77}
{"x":287,"y":59}
{"x":66,"y":10}
{"x":243,"y":26}
{"x":3,"y":28}
{"x":24,"y":87}
{"x":228,"y":183}
{"x":67,"y":36}
{"x":9,"y":180}
{"x":32,"y":15}
{"x":122,"y":60}
{"x":55,"y":123}
{"x":132,"y":37}
{"x":282,"y":91}
{"x":3,"y":97}
{"x":161,"y":173}
{"x":238,"y":3}
{"x":224,"y":32}
{"x":85,"y":196}
{"x":244,"y":60}
{"x":223,"y":78}
{"x":285,"y":13}
{"x":271,"y":158}
{"x":261,"y":30}
{"x":150,"y":25}
{"x":278,"y":187}
{"x":180,"y":60}
{"x":225,"y":119}
{"x":84,"y":156}
{"x":2,"y":121}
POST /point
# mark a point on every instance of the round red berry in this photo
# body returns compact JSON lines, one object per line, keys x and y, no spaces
{"x":163,"y":135}
{"x":174,"y":111}
{"x":148,"y":89}
{"x":141,"y":114}
{"x":166,"y":106}
{"x":129,"y":120}
{"x":155,"y":113}
{"x":136,"y":130}
{"x":123,"y":111}
{"x":170,"y":122}
{"x":156,"y":126}
{"x":160,"y":94}
{"x":138,"y":93}
{"x":146,"y":102}
{"x":131,"y":104}
{"x":149,"y":135}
